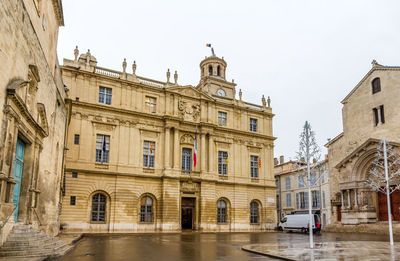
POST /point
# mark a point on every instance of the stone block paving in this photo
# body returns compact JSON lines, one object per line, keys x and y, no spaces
{"x":344,"y":250}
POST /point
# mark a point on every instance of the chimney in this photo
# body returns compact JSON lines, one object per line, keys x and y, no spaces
{"x":314,"y":161}
{"x":281,"y":159}
{"x":275,"y":161}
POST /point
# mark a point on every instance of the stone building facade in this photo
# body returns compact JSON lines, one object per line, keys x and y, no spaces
{"x":33,"y":115}
{"x":130,"y":164}
{"x":292,"y":191}
{"x":370,"y":112}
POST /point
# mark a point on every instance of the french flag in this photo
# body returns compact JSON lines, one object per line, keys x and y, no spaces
{"x":195,"y":150}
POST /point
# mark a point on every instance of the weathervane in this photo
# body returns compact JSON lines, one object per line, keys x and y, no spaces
{"x":212,"y":49}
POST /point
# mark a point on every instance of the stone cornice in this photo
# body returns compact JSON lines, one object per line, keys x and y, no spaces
{"x":24,"y":111}
{"x":169,"y":90}
{"x":195,"y":179}
{"x":99,"y":107}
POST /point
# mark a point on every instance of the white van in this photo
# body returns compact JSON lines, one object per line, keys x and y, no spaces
{"x":299,"y":222}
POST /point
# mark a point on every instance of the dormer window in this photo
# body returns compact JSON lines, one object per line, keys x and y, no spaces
{"x":210,"y":70}
{"x":219,"y":70}
{"x":376,"y":85}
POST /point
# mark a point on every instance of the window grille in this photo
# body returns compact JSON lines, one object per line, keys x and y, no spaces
{"x":221,"y":217}
{"x":150,"y":104}
{"x":146,"y":209}
{"x":149,"y":148}
{"x":253,"y":125}
{"x":222,"y":118}
{"x":102,"y":148}
{"x":254,"y":215}
{"x":105,"y":95}
{"x":186,"y":159}
{"x":99,"y":208}
{"x":254,"y":166}
{"x":222,"y":162}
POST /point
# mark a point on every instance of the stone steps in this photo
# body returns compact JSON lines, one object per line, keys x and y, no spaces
{"x":26,"y":241}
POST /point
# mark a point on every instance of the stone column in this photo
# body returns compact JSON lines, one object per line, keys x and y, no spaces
{"x":341,"y":194}
{"x":348,"y":198}
{"x":176,"y":148}
{"x":167,"y":148}
{"x":355,"y":198}
{"x":211,"y":153}
{"x":203,"y":152}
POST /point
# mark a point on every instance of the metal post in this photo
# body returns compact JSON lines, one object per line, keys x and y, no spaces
{"x":310,"y":226}
{"x":388,"y":192}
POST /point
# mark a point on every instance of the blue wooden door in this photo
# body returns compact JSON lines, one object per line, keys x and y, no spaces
{"x":17,"y":174}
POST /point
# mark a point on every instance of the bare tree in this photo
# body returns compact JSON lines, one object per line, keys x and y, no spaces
{"x":308,"y":152}
{"x":384,"y":172}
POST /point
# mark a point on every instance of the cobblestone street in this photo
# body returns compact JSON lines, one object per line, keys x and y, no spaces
{"x":193,"y":246}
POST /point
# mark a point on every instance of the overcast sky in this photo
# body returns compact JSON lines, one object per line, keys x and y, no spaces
{"x":305,"y":55}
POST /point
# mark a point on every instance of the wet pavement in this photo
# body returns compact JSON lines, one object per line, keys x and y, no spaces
{"x":194,"y":246}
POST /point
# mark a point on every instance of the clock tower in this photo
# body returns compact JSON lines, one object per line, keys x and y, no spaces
{"x":213,"y":78}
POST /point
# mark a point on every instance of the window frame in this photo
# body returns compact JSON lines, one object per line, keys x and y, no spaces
{"x":222,"y":216}
{"x":254,"y":212}
{"x":146,"y":209}
{"x":300,"y":180}
{"x":254,"y":170}
{"x":150,"y":104}
{"x":288,"y":200}
{"x":99,"y":203}
{"x":222,"y":163}
{"x":253,"y":125}
{"x":376,"y":85}
{"x":103,"y":154}
{"x":186,"y":159}
{"x":148,"y":154}
{"x":72,"y":200}
{"x":287,"y":183}
{"x":76,"y":139}
{"x":222,"y":121}
{"x":105,"y":95}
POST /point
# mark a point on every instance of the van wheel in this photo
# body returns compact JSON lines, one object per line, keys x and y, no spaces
{"x":280,"y":228}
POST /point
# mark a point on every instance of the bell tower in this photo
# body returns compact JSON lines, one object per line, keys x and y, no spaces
{"x":213,"y":78}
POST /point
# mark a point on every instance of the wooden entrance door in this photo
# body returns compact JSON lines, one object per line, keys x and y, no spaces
{"x":188,"y":213}
{"x":395,"y":200}
{"x":382,"y":204}
{"x":17,"y":174}
{"x":339,"y":213}
{"x":395,"y":206}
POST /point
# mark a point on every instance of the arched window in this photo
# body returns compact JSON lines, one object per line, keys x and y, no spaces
{"x":99,"y":207}
{"x":376,"y":85}
{"x":219,"y":70}
{"x":210,"y":70}
{"x":254,"y":213}
{"x":221,"y":217}
{"x":146,"y":209}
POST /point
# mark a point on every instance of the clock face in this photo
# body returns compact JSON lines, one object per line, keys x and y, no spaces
{"x":221,"y":93}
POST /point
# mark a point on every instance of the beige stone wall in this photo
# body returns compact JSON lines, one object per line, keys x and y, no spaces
{"x":32,"y":101}
{"x":359,"y":126}
{"x":182,"y":112}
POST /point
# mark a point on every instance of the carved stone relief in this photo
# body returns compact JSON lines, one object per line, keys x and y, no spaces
{"x":189,"y":110}
{"x":189,"y":186}
{"x":187,"y":139}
